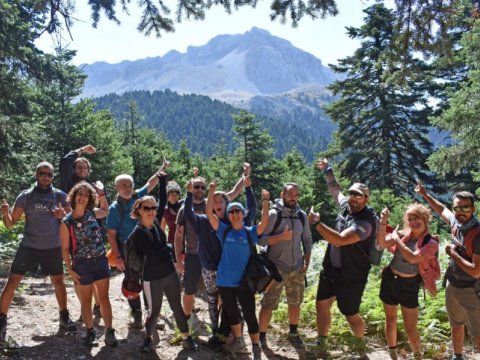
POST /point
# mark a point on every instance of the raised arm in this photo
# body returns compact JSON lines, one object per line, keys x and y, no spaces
{"x":189,"y":214}
{"x":162,"y":197}
{"x":251,"y":202}
{"x":436,"y":205}
{"x":102,"y":210}
{"x":237,"y":189}
{"x":212,"y":218}
{"x":10,"y":218}
{"x":332,"y":183}
{"x":262,"y":225}
{"x":66,"y":165}
{"x":382,"y":240}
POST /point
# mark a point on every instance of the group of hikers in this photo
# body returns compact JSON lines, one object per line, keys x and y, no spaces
{"x":214,"y":239}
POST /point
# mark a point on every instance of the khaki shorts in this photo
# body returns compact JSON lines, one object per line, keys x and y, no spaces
{"x":463,"y":308}
{"x":294,"y":283}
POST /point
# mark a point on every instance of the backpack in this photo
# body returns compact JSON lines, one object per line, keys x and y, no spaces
{"x":468,"y":238}
{"x":375,"y":252}
{"x":260,"y":271}
{"x":278,"y":220}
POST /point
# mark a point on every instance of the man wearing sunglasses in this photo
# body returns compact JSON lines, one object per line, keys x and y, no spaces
{"x":188,"y":234}
{"x":44,"y":207}
{"x":346,"y":263}
{"x":463,"y":306}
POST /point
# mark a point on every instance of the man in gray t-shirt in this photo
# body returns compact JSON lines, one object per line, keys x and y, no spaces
{"x":463,"y":306}
{"x":44,"y":207}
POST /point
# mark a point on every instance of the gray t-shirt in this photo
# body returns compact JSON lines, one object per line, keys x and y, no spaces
{"x":456,"y":276}
{"x":191,"y":236}
{"x":360,"y":227}
{"x":41,"y":226}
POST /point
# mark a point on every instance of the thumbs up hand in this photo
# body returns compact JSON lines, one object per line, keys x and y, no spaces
{"x":287,"y":233}
{"x":5,"y":207}
{"x":313,"y":217}
{"x":59,"y":212}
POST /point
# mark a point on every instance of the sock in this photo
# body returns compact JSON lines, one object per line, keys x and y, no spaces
{"x":3,"y":316}
{"x":293,"y":328}
{"x":263,"y":335}
{"x":392,"y":347}
{"x":458,"y":356}
{"x":91,"y":329}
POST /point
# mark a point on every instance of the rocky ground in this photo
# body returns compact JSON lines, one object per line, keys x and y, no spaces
{"x":33,"y":332}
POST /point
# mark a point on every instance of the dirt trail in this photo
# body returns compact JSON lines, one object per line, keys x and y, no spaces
{"x":33,"y":331}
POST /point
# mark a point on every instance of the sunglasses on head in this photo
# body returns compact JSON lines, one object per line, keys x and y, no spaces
{"x":355,"y":195}
{"x":235,"y":211}
{"x":47,"y":174}
{"x":466,"y":208}
{"x":199,"y":187}
{"x":149,"y":208}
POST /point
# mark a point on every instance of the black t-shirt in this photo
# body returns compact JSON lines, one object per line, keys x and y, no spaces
{"x":158,"y":261}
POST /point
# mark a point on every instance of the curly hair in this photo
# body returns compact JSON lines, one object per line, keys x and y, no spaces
{"x":92,"y":198}
{"x":419,"y":210}
{"x":134,"y":213}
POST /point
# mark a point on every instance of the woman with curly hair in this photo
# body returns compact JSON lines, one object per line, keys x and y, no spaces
{"x":414,"y":259}
{"x":84,"y":254}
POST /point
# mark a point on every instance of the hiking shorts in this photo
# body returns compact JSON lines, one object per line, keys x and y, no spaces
{"x":92,"y":269}
{"x":28,"y":259}
{"x":294,"y":283}
{"x":348,"y":292}
{"x":192,"y":274}
{"x":396,"y":290}
{"x":463,"y":308}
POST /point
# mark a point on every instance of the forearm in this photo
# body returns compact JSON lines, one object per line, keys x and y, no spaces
{"x":330,"y":235}
{"x":436,"y":205}
{"x":465,"y":265}
{"x":264,"y":220}
{"x":408,"y":254}
{"x":162,"y":197}
{"x":112,"y":240}
{"x":102,"y":199}
{"x":333,"y":185}
{"x":66,"y":258}
{"x":152,"y":182}
{"x":7,"y":220}
{"x":237,"y":189}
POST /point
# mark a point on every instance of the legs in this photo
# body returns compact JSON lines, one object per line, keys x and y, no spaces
{"x":101,"y":288}
{"x":324,"y":317}
{"x":153,"y":291}
{"x":390,"y":324}
{"x":58,"y":282}
{"x":85,"y":293}
{"x":8,"y":292}
{"x":458,"y":336}
{"x":357,"y":325}
{"x":410,"y":318}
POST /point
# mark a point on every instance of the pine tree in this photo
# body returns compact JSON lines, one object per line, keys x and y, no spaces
{"x":382,"y":120}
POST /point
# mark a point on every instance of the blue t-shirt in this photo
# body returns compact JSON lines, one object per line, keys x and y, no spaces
{"x":114,"y":222}
{"x":235,"y":254}
{"x":41,"y":226}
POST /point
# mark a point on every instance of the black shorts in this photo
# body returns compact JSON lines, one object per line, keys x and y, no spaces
{"x":91,"y":270}
{"x":28,"y":259}
{"x":396,"y":290}
{"x":192,"y":274}
{"x":348,"y":292}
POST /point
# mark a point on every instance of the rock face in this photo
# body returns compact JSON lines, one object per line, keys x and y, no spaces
{"x":228,"y":67}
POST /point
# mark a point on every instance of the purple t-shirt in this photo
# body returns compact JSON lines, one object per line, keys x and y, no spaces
{"x":41,"y":226}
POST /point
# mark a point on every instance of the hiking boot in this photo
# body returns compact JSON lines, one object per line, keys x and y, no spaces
{"x":237,"y":346}
{"x":393,"y":353}
{"x":457,"y":357}
{"x":160,"y":324}
{"x":137,"y":318}
{"x":257,"y":352}
{"x":147,"y":345}
{"x":88,"y":338}
{"x":189,"y":344}
{"x":3,"y":328}
{"x":295,"y":340}
{"x":320,"y":346}
{"x":215,"y":343}
{"x":417,"y":355}
{"x":110,"y":339}
{"x":96,"y":311}
{"x":65,"y":322}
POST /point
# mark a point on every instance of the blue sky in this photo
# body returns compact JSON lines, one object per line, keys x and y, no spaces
{"x":324,"y":38}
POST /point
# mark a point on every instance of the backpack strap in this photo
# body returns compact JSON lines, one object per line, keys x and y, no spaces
{"x":227,"y":230}
{"x":469,"y":238}
{"x":73,"y":241}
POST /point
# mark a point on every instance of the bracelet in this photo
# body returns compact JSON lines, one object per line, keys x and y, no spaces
{"x":327,"y":169}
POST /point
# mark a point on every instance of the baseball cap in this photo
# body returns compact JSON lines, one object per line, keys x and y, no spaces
{"x":360,"y":188}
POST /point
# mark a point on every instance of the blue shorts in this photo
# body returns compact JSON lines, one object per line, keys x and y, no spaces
{"x":93,"y":269}
{"x":28,"y":259}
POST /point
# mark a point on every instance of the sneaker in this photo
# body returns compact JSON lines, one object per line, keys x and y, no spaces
{"x":65,"y":322}
{"x":393,"y":353}
{"x":457,"y":357}
{"x":3,"y":328}
{"x":160,"y":324}
{"x":88,"y":338}
{"x":237,"y":346}
{"x":189,"y":344}
{"x":137,"y":319}
{"x":147,"y":345}
{"x":110,"y":339}
{"x":295,"y":340}
{"x":215,"y":343}
{"x":257,"y":352}
{"x":320,"y":345}
{"x":96,"y":311}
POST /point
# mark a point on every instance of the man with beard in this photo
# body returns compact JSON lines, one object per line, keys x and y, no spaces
{"x":346,"y":262}
{"x":291,"y":263}
{"x":44,"y":207}
{"x":463,"y":306}
{"x":190,"y":266}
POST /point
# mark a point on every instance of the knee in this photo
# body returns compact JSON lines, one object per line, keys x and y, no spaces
{"x":57,"y":281}
{"x":354,"y":320}
{"x":390,"y":319}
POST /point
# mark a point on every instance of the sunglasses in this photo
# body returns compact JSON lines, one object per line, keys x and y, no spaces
{"x":355,"y":195}
{"x":235,"y":211}
{"x":47,"y":174}
{"x":199,"y":187}
{"x":149,"y":208}
{"x":462,"y":208}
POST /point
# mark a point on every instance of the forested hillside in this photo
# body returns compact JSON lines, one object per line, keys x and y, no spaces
{"x":204,"y":123}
